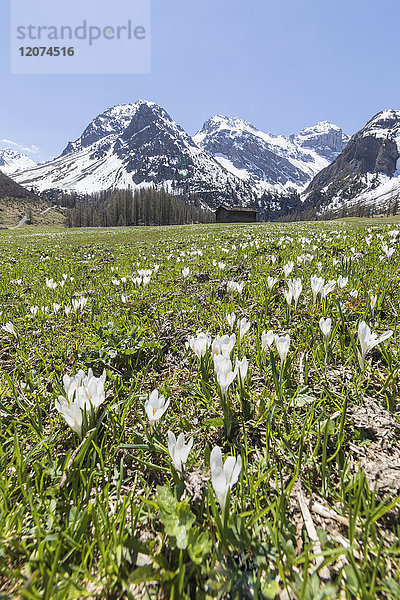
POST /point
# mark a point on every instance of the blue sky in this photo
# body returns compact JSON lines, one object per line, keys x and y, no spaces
{"x":280,"y":64}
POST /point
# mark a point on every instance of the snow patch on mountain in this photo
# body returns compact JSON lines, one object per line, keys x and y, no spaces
{"x":378,"y":193}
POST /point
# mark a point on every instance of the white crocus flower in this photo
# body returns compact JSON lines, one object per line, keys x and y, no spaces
{"x":9,"y":328}
{"x":224,"y":372}
{"x":50,"y":283}
{"x":271,"y":282}
{"x":178,"y":450}
{"x":185,"y":272}
{"x":316,"y":286}
{"x":267,"y":339}
{"x":388,"y":251}
{"x":374,"y":299}
{"x":288,"y":296}
{"x":87,"y":390}
{"x":72,"y":413}
{"x":199,"y":344}
{"x":242,"y":368}
{"x":297,"y":287}
{"x":83,"y":393}
{"x":155,"y":406}
{"x":56,"y":307}
{"x":224,"y":475}
{"x":369,"y":340}
{"x":244,"y":326}
{"x":325,"y":326}
{"x":342,"y":281}
{"x":79,"y":304}
{"x":282,"y":344}
{"x":328,"y":288}
{"x":231,"y":318}
{"x":145,"y":273}
{"x":72,"y":383}
{"x":233,"y":286}
{"x":91,"y":393}
{"x":34,"y":310}
{"x":224,"y":344}
{"x":288,"y":268}
{"x":218,"y":359}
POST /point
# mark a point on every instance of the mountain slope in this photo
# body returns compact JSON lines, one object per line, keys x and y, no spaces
{"x":133,"y":146}
{"x":367,"y":172}
{"x":10,"y":189}
{"x":270,"y":162}
{"x":12,"y":161}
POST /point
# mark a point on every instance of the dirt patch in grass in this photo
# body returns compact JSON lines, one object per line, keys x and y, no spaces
{"x":379,"y":456}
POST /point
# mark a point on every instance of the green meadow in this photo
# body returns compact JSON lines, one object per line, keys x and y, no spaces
{"x":276,"y":343}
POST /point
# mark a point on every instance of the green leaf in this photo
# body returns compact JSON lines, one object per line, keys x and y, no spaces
{"x":303,"y":396}
{"x":144,"y":574}
{"x":199,"y":545}
{"x":215,"y":422}
{"x":165,"y":499}
{"x":176,"y":517}
{"x":351,"y":579}
{"x":270,"y":589}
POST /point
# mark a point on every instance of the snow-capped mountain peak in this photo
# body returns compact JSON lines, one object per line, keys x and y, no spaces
{"x":326,"y":138}
{"x":384,"y":124}
{"x":320,"y":127}
{"x":270,"y":162}
{"x":112,"y":121}
{"x":221,"y":122}
{"x":12,"y":161}
{"x":233,"y":126}
{"x":137,"y":145}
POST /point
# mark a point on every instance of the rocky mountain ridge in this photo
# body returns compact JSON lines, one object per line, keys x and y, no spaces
{"x":366,"y":173}
{"x":140,"y":145}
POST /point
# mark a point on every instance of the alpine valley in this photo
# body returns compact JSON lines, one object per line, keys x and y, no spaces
{"x":136,"y":146}
{"x":139,"y":145}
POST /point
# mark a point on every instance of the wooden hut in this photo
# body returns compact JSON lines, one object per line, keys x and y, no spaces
{"x":235,"y":214}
